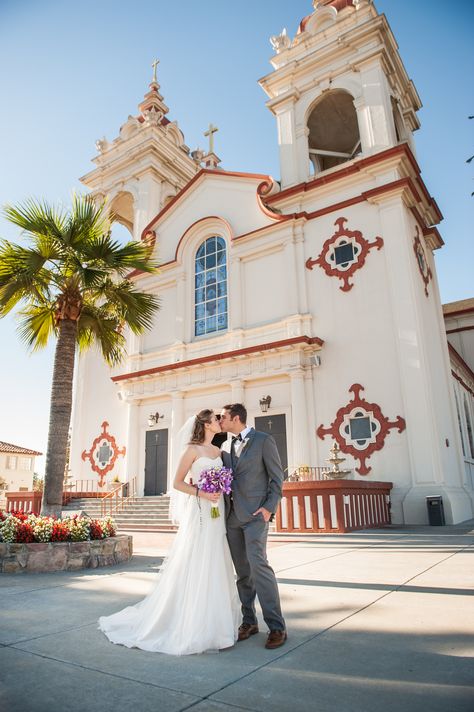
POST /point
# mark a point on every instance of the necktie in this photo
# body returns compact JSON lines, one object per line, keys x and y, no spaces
{"x":235,"y":439}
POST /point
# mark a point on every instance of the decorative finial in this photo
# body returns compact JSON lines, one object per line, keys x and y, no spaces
{"x":154,"y":65}
{"x":210,"y":132}
{"x":280,"y":42}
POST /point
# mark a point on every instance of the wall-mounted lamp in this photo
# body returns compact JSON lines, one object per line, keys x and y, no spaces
{"x":265,"y":403}
{"x":153,"y":419}
{"x":315,"y":360}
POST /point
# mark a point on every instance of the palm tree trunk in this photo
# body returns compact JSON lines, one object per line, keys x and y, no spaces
{"x":59,"y":418}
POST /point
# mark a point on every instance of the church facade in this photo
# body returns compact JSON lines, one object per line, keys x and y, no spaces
{"x":312,"y":299}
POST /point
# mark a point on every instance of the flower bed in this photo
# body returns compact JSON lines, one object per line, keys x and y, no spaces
{"x":22,"y":528}
{"x":38,"y":544}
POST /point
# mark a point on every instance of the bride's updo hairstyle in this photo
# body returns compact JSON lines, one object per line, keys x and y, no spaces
{"x":204,"y":416}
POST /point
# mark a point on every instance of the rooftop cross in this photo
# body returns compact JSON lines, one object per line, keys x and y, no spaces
{"x":210,"y":132}
{"x":154,"y":65}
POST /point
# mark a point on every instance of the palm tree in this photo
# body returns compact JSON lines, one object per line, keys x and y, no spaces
{"x":70,"y":282}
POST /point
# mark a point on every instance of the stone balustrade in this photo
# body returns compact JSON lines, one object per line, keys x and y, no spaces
{"x":64,"y":556}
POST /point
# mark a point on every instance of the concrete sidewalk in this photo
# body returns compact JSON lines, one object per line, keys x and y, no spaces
{"x":378,"y":621}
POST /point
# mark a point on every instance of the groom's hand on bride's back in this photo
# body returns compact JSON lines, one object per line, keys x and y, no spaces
{"x":264,"y":512}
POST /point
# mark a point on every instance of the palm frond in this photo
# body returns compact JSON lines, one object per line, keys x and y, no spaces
{"x":122,"y":259}
{"x":36,"y":325}
{"x":22,"y":276}
{"x":37,"y":218}
{"x":133,"y":307}
{"x":73,"y":256}
{"x":87,"y":221}
{"x":97,"y":327}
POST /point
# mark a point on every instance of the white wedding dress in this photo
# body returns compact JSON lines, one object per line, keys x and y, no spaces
{"x":194,"y":606}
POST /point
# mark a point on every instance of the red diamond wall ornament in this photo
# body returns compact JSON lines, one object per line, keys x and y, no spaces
{"x":360,"y":428}
{"x":103,"y":454}
{"x":344,"y":253}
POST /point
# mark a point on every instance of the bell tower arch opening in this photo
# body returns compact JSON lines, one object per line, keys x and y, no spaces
{"x":122,"y":206}
{"x":333,"y":130}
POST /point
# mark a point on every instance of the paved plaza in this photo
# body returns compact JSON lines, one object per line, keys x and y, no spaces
{"x":378,"y":621}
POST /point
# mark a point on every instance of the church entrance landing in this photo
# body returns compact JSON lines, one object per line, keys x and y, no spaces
{"x":156,"y":459}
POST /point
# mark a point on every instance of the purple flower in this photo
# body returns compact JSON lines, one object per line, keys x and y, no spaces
{"x":216,"y":479}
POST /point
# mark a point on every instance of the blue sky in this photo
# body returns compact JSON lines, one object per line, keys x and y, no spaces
{"x":73,"y":72}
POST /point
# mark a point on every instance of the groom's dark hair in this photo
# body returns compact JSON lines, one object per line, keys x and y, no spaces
{"x":237,"y":409}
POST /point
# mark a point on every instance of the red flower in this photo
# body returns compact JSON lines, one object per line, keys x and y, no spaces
{"x":25,"y":533}
{"x":18,"y":514}
{"x":60,"y":531}
{"x":96,"y":531}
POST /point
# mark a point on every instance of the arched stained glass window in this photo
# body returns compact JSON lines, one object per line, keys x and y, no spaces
{"x":469,"y":427}
{"x":210,"y":287}
{"x":460,"y":423}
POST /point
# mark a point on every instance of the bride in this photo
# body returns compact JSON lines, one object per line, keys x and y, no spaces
{"x":194,"y":606}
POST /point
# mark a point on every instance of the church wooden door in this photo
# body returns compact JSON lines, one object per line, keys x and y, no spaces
{"x":156,"y":462}
{"x":275,"y":425}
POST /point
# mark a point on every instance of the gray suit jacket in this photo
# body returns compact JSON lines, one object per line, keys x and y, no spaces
{"x":258,"y":475}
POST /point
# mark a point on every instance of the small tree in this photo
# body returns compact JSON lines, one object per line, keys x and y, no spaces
{"x":70,"y":281}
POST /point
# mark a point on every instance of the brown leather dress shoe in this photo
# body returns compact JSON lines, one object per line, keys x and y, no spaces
{"x":246,"y":630}
{"x":275,"y":639}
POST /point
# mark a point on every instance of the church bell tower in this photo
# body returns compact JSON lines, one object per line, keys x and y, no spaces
{"x":339,"y":90}
{"x":145,"y":166}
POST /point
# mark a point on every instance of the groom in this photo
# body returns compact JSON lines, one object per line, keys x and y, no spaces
{"x":256,"y":493}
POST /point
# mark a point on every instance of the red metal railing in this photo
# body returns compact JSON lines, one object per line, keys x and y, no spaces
{"x":118,"y":500}
{"x":28,"y":502}
{"x":334,"y":506}
{"x":84,"y":488}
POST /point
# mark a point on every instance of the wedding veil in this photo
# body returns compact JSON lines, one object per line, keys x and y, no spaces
{"x":178,"y":500}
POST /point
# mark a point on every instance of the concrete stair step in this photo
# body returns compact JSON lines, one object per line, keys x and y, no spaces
{"x":141,"y":520}
{"x":158,"y":526}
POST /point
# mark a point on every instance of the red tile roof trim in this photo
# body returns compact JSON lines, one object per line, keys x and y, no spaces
{"x":356,"y":167}
{"x":458,"y":312}
{"x":295,"y":341}
{"x":459,"y":329}
{"x":460,"y":361}
{"x":366,"y":195}
{"x":462,"y":382}
{"x":202,"y":172}
{"x":17,"y":449}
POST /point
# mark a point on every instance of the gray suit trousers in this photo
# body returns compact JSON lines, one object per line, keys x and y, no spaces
{"x":255,"y":576}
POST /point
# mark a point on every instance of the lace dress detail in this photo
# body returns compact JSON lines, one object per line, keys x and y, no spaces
{"x":194,"y":606}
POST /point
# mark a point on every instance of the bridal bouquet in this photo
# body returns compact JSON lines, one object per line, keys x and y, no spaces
{"x":215,"y":479}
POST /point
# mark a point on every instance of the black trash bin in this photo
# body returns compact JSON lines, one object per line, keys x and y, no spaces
{"x":435,"y":511}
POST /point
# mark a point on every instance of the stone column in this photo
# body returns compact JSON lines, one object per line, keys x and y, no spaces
{"x":291,"y":281}
{"x":299,"y":411}
{"x":235,"y":293}
{"x":238,"y":390}
{"x":180,"y":325}
{"x":177,"y":421}
{"x":290,"y":170}
{"x":133,"y":444}
{"x":374,"y":111}
{"x":311,"y":421}
{"x":300,"y":269}
{"x":147,"y":204}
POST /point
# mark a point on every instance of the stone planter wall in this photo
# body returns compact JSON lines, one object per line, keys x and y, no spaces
{"x":64,"y":556}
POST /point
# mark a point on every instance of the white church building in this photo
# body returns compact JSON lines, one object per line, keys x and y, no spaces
{"x":312,"y":299}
